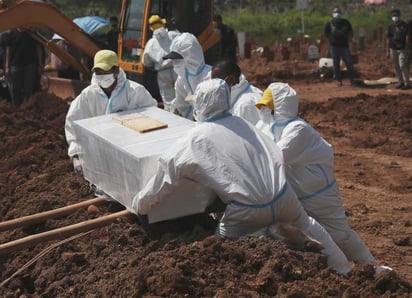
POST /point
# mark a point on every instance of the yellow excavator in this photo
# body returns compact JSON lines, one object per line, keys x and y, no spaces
{"x":195,"y":16}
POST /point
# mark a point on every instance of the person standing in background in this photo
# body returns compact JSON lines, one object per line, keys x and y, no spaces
{"x":4,"y":90}
{"x":398,"y":48}
{"x":63,"y":70}
{"x":339,"y":32}
{"x":156,"y":48}
{"x":229,"y":40}
{"x":191,"y":69}
{"x":23,"y":65}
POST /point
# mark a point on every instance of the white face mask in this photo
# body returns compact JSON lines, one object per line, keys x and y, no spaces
{"x":105,"y":80}
{"x":395,"y":19}
{"x":336,"y":15}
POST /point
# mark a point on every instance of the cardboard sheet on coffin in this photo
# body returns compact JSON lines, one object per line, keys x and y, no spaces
{"x":121,"y":161}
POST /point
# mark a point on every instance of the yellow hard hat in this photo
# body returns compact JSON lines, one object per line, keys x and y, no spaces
{"x":155,"y":22}
{"x":266,"y":100}
{"x":105,"y":59}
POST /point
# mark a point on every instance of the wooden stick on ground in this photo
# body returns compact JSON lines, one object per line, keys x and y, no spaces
{"x":43,"y":216}
{"x":60,"y":232}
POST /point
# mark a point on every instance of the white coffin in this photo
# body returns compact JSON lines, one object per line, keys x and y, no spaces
{"x":120,"y":161}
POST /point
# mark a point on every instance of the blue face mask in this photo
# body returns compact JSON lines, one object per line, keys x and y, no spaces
{"x":336,"y":15}
{"x":395,"y":19}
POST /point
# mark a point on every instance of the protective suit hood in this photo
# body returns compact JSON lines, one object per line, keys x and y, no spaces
{"x":286,"y":101}
{"x":243,"y":97}
{"x":211,"y":100}
{"x":187,"y":45}
{"x":191,"y":70}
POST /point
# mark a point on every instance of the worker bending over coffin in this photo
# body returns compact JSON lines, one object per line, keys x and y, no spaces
{"x":189,"y":64}
{"x":244,"y":168}
{"x":309,"y":168}
{"x":109,"y":92}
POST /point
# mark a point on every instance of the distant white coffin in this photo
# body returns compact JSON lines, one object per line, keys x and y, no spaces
{"x":120,"y":161}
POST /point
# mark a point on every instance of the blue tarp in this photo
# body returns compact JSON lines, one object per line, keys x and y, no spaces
{"x":91,"y":24}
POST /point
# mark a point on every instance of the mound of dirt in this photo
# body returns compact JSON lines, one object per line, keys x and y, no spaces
{"x":371,"y":135}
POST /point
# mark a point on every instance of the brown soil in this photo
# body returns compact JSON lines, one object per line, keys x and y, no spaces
{"x":370,"y":129}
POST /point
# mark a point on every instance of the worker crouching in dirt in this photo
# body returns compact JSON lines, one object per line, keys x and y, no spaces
{"x":242,"y":166}
{"x":309,"y":168}
{"x":109,"y":92}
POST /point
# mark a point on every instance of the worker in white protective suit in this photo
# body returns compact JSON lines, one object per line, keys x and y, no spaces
{"x":109,"y":92}
{"x":189,"y":64}
{"x":156,"y":48}
{"x":243,"y":95}
{"x":309,"y":167}
{"x":242,"y":166}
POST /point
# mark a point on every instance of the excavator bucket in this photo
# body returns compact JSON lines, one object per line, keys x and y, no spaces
{"x":64,"y":88}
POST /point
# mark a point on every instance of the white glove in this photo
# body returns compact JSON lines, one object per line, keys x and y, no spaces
{"x":189,"y":98}
{"x":77,"y":165}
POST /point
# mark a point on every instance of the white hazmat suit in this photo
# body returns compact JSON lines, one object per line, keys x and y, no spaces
{"x":93,"y":101}
{"x":191,"y":70}
{"x":242,"y":166}
{"x":309,"y":169}
{"x":156,"y":48}
{"x":243,"y":97}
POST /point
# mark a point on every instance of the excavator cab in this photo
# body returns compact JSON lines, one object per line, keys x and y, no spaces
{"x":195,"y":16}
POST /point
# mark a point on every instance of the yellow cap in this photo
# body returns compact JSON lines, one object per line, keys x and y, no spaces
{"x":156,"y":19}
{"x":105,"y":59}
{"x":155,"y":22}
{"x":266,"y":100}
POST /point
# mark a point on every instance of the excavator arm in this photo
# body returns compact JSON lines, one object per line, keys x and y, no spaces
{"x":31,"y":14}
{"x":61,"y":53}
{"x":188,"y":15}
{"x":28,"y":14}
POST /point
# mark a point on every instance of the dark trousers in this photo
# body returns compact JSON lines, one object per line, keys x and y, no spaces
{"x":343,"y":53}
{"x":22,"y":83}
